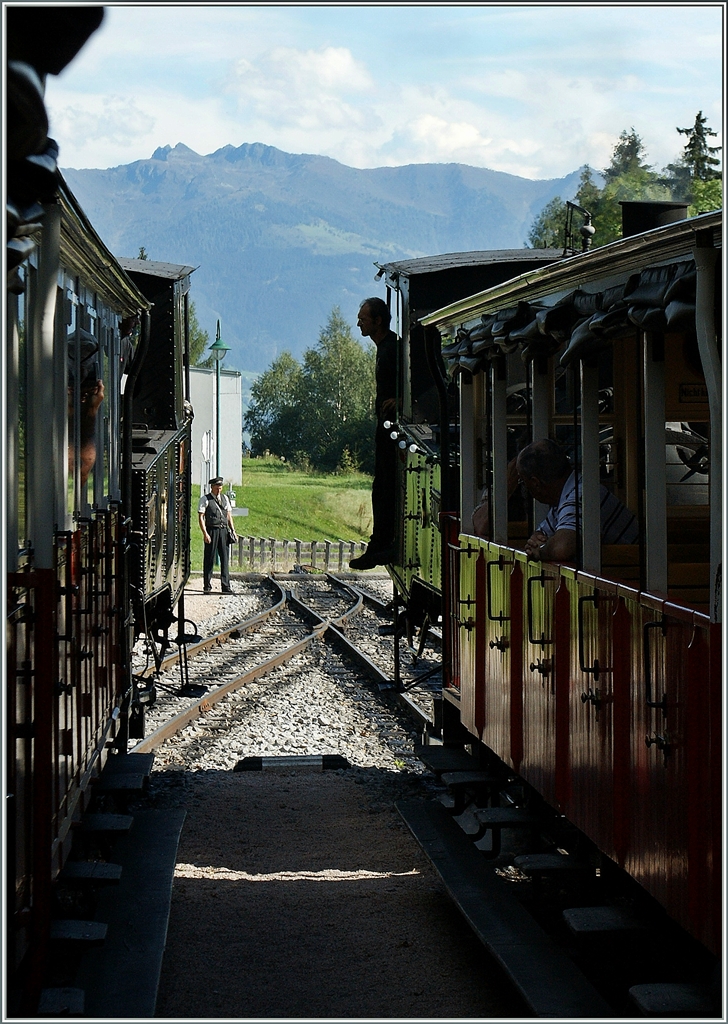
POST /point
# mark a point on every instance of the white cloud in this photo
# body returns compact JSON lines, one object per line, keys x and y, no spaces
{"x":515,"y":88}
{"x":106,"y":119}
{"x":292,"y":90}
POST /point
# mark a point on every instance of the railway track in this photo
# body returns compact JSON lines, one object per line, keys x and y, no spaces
{"x":310,"y":675}
{"x":304,"y":608}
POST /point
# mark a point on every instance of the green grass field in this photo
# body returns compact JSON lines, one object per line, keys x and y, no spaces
{"x":288,"y":504}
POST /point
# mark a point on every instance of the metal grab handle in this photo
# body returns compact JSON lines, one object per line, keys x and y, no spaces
{"x":662,"y":743}
{"x":592,"y":697}
{"x":595,"y":668}
{"x":462,"y":551}
{"x":541,"y":578}
{"x":501,"y":562}
{"x":661,"y":625}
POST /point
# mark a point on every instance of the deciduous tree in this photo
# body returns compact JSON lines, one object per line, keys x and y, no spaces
{"x":320,"y":412}
{"x":199,"y":340}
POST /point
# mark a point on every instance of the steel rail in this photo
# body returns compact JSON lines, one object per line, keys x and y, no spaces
{"x":244,"y":626}
{"x":322,"y":629}
{"x":201,"y":706}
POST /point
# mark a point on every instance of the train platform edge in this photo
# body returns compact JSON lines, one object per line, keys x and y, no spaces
{"x":121,"y":977}
{"x":547,"y":981}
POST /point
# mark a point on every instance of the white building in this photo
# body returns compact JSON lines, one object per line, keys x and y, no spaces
{"x":204,"y":425}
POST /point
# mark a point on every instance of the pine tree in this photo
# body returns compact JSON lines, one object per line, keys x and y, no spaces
{"x":697,"y":154}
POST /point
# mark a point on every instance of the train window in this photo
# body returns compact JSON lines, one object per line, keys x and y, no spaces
{"x":103,"y":454}
{"x":687,"y":458}
{"x":518,"y":414}
{"x":17,"y":417}
{"x":74,"y":412}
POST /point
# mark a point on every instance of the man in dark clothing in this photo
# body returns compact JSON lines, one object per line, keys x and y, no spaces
{"x":215,"y":518}
{"x":373,"y":323}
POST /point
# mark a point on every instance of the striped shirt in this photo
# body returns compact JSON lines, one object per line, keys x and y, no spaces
{"x":619,"y":525}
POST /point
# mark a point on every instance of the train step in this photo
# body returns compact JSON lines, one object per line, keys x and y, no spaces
{"x":106,"y":822}
{"x":61,"y":1002}
{"x":549,"y":864}
{"x":446,"y":759}
{"x":88,"y":932}
{"x":548,"y":981}
{"x":468,"y":785}
{"x":602,"y":920}
{"x":129,"y":764}
{"x":495,"y":819}
{"x":121,"y":977}
{"x":674,"y":1000}
{"x":96,"y":872}
{"x":116,"y":782}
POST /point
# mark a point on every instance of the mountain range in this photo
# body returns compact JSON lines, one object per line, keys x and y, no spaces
{"x":279,"y":239}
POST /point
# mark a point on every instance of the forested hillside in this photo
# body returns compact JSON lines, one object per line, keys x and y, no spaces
{"x":280,"y":239}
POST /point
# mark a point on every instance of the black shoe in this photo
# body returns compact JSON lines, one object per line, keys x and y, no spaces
{"x":228,"y":591}
{"x":207,"y":590}
{"x":371,"y":558}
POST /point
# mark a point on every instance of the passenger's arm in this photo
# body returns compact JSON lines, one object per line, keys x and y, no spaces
{"x":560,"y":547}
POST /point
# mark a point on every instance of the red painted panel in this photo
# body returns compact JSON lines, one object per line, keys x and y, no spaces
{"x":591,"y":710}
{"x":516,"y":655}
{"x":621,"y":695}
{"x":467,"y":617}
{"x":451,"y":593}
{"x":539,"y":729}
{"x":497,"y":651}
{"x":561,"y":689}
{"x":480,"y":641}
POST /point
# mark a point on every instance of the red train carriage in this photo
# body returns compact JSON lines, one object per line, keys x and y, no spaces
{"x":599,"y":682}
{"x":97,"y":547}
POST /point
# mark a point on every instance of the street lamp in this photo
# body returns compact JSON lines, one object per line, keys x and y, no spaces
{"x":218,"y":350}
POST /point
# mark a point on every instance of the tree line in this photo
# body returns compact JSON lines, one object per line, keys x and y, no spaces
{"x":693,"y":178}
{"x":318,"y":413}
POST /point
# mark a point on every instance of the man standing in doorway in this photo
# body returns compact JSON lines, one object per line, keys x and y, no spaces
{"x":373,"y":322}
{"x":215,"y":517}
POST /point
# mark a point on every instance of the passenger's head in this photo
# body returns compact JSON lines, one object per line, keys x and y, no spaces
{"x":543,"y":467}
{"x":374,"y":317}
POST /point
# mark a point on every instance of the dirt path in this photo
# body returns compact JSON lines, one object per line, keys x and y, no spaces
{"x":304,"y":896}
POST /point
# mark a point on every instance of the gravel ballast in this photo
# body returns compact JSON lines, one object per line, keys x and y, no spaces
{"x":301,"y":893}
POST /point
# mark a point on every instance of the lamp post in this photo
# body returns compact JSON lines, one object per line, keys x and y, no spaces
{"x":218,"y":350}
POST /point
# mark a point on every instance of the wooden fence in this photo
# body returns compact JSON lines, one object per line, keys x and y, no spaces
{"x":265,"y":554}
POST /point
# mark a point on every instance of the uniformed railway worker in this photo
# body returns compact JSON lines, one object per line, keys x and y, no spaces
{"x":216,"y":522}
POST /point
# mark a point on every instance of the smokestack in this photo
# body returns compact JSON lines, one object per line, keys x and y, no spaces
{"x":645,"y":215}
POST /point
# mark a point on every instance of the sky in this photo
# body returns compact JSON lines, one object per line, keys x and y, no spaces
{"x":536,"y":90}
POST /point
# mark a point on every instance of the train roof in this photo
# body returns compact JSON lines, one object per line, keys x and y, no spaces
{"x":169,"y":271}
{"x":456,"y":260}
{"x":83,"y":252}
{"x":621,"y":257}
